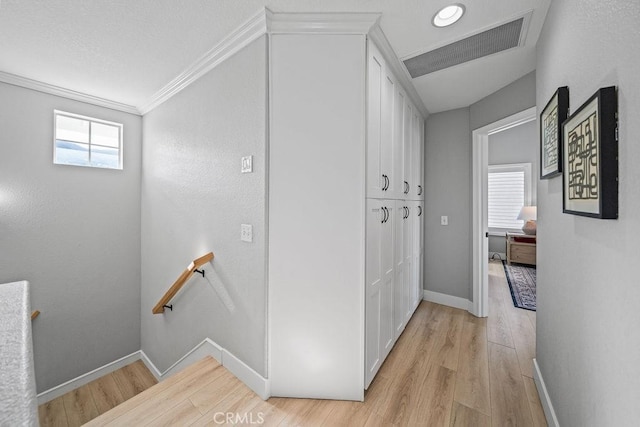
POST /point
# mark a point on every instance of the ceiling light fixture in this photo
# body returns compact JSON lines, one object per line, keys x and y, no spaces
{"x":448,"y":15}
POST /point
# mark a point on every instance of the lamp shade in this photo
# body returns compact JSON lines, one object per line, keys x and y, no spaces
{"x":528,"y":213}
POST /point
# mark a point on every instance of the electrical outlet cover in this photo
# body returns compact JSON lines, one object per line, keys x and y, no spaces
{"x":246,"y":233}
{"x":247,"y":164}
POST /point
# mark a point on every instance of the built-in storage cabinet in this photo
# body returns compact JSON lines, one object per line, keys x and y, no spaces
{"x":379,"y":337}
{"x":394,"y":211}
{"x":381,"y":167}
{"x":343,"y":269}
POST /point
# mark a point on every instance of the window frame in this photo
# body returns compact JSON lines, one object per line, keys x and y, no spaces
{"x":91,"y":120}
{"x":528,"y":190}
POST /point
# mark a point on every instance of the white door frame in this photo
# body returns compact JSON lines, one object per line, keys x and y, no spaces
{"x":479,"y":168}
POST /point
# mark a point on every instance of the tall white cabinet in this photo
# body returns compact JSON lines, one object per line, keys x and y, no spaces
{"x":344,"y":223}
{"x":394,"y":211}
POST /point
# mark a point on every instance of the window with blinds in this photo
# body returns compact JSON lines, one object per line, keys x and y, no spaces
{"x":509,"y":189}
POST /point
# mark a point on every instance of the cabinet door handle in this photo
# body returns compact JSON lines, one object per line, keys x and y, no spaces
{"x":408,"y":212}
{"x":419,"y":190}
{"x":386,"y":218}
{"x":386,"y":183}
{"x":408,"y":188}
{"x":405,"y":187}
{"x":419,"y":210}
{"x":383,"y":215}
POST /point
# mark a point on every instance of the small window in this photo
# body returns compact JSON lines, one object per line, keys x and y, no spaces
{"x":85,"y":141}
{"x":509,"y":190}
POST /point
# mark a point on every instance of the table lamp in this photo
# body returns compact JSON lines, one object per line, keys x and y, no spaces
{"x":528,"y":214}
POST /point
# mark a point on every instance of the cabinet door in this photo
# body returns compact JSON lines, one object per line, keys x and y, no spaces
{"x":375,"y":75}
{"x":398,"y":144}
{"x":387,"y":163}
{"x":379,"y":279}
{"x":387,"y":335}
{"x":416,"y":157}
{"x":409,"y":282}
{"x":417,"y":251}
{"x":399,"y":283}
{"x":422,"y":160}
{"x":373,"y":280}
{"x":407,"y":134}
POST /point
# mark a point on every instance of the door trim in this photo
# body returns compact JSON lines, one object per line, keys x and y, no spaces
{"x":479,"y":167}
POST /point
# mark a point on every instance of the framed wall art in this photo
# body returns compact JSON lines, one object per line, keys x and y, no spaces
{"x":590,"y":157}
{"x":551,"y":119}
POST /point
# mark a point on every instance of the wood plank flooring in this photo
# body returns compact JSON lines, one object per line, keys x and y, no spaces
{"x":447,"y":369}
{"x":99,"y":396}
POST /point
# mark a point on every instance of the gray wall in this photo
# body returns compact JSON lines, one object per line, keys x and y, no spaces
{"x":447,"y":258}
{"x":447,"y":263}
{"x":74,"y":233}
{"x":511,"y":99}
{"x":194,"y":199}
{"x":516,"y":145}
{"x":588,"y":293}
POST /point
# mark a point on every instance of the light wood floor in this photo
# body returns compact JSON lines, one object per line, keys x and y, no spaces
{"x":447,"y":369}
{"x":87,"y":402}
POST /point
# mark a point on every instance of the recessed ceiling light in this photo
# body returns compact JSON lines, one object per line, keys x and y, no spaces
{"x":448,"y":15}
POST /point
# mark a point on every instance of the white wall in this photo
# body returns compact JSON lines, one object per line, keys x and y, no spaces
{"x":73,"y":233}
{"x":515,"y":145}
{"x":588,"y":342}
{"x":316,"y":216}
{"x":194,"y":199}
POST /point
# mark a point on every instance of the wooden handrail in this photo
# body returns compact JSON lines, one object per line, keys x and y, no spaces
{"x":35,"y":314}
{"x":173,"y":290}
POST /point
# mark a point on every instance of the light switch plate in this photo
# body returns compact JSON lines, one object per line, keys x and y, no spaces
{"x":246,"y":233}
{"x":247,"y":164}
{"x":444,"y":220}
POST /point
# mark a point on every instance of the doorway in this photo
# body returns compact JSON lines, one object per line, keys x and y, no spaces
{"x":480,"y":231}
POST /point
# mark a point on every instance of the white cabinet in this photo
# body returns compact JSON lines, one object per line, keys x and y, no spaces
{"x":379,"y":279}
{"x":341,"y":262}
{"x":399,"y":319}
{"x":417,"y":188}
{"x":381,"y":88}
{"x":417,"y":250}
{"x":394,"y":214}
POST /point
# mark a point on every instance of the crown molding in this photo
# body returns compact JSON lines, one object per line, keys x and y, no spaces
{"x":399,"y":70}
{"x":39,"y":86}
{"x":321,"y":23}
{"x":250,"y":30}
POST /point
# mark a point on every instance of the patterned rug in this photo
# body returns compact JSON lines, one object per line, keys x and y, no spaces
{"x":522,"y":282}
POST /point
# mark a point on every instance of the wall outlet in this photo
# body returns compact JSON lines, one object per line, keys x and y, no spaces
{"x":246,"y":233}
{"x":247,"y":164}
{"x":444,"y":220}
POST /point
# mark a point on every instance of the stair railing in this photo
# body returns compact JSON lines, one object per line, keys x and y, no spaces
{"x":177,"y":285}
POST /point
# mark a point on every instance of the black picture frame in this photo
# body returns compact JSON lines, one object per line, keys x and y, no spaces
{"x":590,"y":161}
{"x":551,"y":118}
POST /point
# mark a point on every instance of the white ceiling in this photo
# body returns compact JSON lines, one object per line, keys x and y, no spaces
{"x":127,"y":50}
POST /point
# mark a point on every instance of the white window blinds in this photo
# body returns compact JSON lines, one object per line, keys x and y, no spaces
{"x":508,"y":190}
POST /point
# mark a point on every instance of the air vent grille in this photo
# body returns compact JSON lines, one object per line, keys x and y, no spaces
{"x":486,"y":43}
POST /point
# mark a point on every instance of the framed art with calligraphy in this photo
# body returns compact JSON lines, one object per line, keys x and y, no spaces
{"x":551,"y":119}
{"x":590,"y":160}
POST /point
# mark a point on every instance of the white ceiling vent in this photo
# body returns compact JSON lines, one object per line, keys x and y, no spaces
{"x":497,"y":39}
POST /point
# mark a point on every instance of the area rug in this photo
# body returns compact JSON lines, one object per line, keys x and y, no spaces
{"x":522,"y":283}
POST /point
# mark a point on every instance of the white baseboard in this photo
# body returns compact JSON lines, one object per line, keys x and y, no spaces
{"x":83,"y":379}
{"x":448,"y":300}
{"x":248,"y":376}
{"x":547,"y":406}
{"x":207,"y":347}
